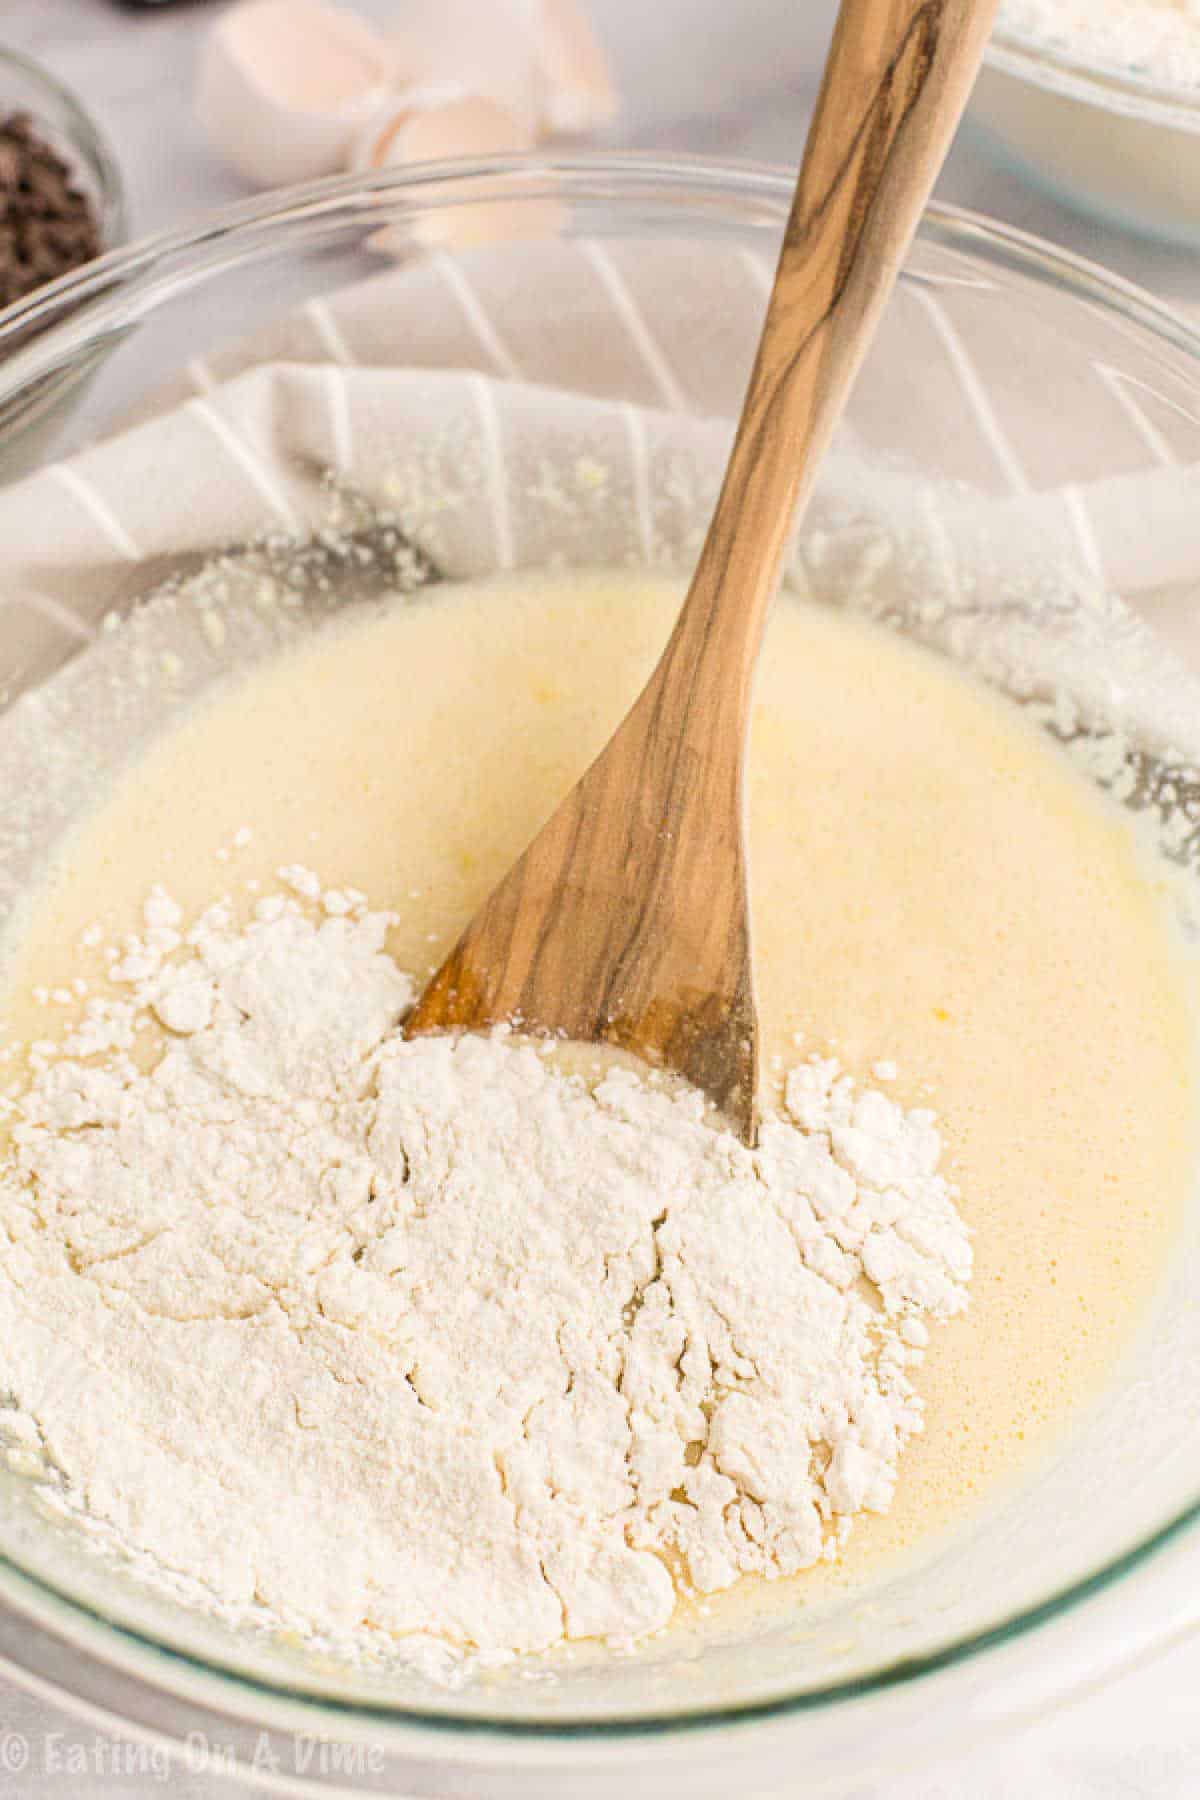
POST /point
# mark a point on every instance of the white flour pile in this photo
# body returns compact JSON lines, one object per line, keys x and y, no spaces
{"x":428,"y":1339}
{"x":1159,"y":39}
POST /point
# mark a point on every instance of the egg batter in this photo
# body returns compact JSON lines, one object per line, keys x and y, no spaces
{"x":933,"y":887}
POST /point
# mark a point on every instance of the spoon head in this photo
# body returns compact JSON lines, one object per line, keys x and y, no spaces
{"x":615,"y":928}
{"x":708,"y":1041}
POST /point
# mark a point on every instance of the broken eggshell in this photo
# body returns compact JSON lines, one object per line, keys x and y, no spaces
{"x":538,"y":58}
{"x":427,"y":123}
{"x":285,"y":86}
{"x":446,"y":120}
{"x":577,"y":92}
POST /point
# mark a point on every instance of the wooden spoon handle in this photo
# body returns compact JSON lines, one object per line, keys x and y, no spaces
{"x":626,"y":920}
{"x":897,"y":79}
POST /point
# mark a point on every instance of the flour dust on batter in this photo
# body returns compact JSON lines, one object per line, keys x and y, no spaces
{"x":508,"y":1353}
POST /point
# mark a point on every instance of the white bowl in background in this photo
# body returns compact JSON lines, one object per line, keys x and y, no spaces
{"x":1111,"y":143}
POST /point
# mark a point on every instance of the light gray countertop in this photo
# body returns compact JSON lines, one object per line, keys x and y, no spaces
{"x":700,"y":75}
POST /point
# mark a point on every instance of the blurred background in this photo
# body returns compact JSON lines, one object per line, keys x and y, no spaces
{"x":727,"y":77}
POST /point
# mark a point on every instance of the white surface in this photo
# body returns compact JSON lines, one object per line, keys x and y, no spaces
{"x":700,"y":75}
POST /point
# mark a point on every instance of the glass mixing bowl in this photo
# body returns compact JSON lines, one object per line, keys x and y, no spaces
{"x":1111,"y":143}
{"x":1014,"y":485}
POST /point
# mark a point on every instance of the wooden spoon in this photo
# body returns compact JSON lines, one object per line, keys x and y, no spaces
{"x":626,"y":921}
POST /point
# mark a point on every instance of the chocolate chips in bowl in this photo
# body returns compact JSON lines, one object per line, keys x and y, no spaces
{"x":48,"y":223}
{"x":61,"y":205}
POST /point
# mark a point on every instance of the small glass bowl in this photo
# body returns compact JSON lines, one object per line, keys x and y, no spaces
{"x":1112,"y":143}
{"x":62,"y":120}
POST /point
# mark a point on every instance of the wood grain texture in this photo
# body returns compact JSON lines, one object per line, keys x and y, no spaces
{"x":626,"y":920}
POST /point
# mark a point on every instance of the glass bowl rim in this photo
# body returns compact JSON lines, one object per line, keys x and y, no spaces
{"x":617,"y":178}
{"x":95,"y":148}
{"x":1114,"y":89}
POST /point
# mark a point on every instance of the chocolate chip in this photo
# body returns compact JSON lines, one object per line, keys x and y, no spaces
{"x":47,"y":223}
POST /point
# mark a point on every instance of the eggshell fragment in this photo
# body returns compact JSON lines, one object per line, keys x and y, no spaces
{"x":538,"y":58}
{"x":427,"y":124}
{"x":480,"y":46}
{"x":285,"y":86}
{"x":577,"y":93}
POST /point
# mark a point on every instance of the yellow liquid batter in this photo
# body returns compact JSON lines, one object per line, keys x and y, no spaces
{"x":932,"y":884}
